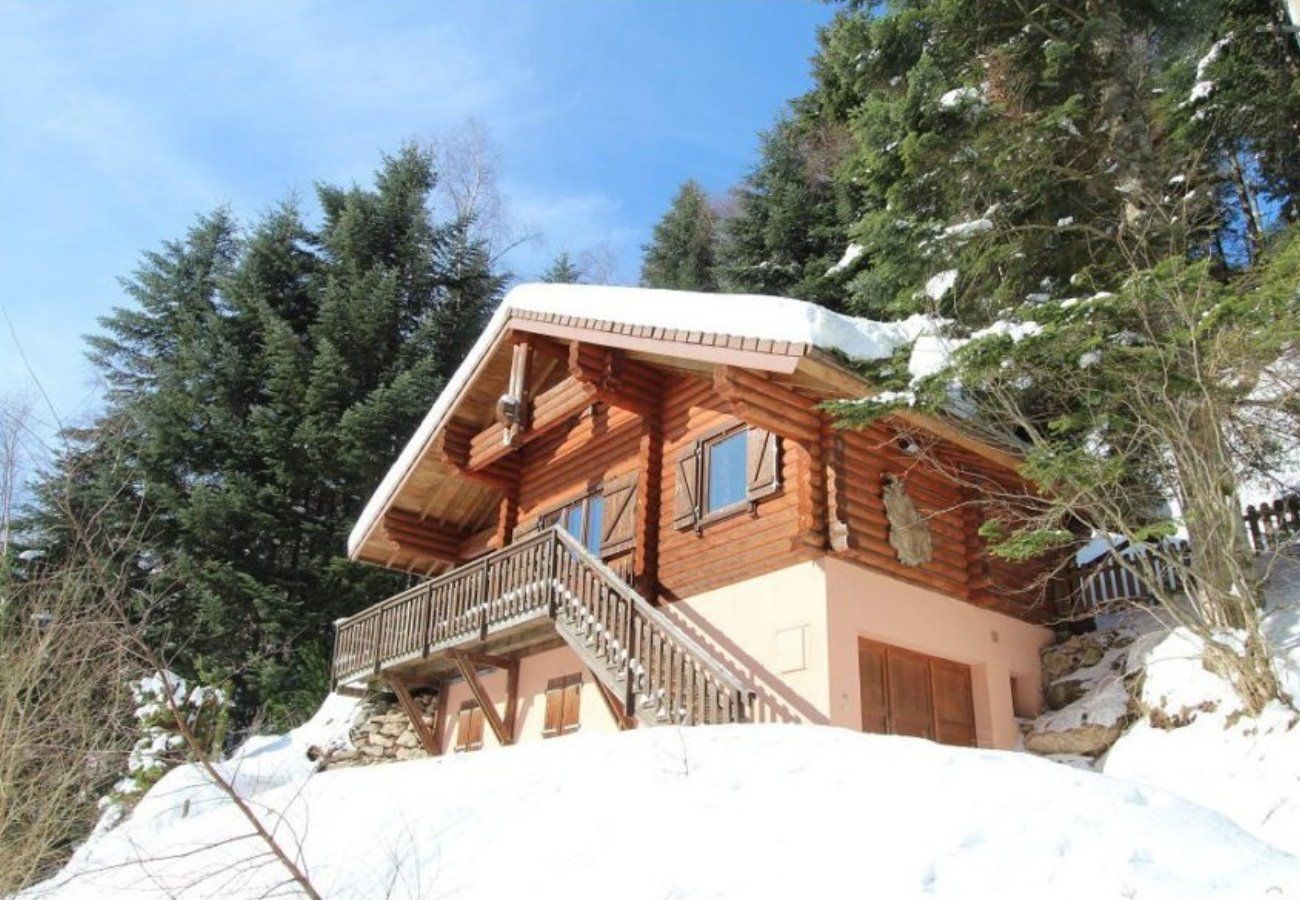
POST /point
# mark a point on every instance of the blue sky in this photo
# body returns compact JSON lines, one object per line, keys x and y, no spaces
{"x":120,"y":122}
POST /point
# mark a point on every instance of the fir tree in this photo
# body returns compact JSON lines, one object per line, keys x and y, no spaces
{"x":786,"y":233}
{"x":563,"y":271}
{"x":682,"y":252}
{"x":1108,"y":190}
{"x":261,"y":383}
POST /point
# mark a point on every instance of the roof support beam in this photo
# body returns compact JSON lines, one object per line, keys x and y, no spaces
{"x":616,"y":379}
{"x":550,"y":408}
{"x":422,"y":537}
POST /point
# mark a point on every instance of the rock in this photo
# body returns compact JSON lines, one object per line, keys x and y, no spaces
{"x":393,"y":729}
{"x":406,"y":753}
{"x":381,"y":740}
{"x":1061,"y":694}
{"x":1091,"y":654}
{"x":1088,"y":739}
{"x":1057,"y":661}
{"x":372,"y":751}
{"x":408,"y":739}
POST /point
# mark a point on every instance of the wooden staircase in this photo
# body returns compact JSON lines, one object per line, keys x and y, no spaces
{"x":659,"y":673}
{"x":645,"y":661}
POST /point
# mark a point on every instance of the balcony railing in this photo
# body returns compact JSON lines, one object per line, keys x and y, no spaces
{"x":658,"y":671}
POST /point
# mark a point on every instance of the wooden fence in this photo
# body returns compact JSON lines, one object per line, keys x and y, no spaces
{"x":1270,"y":525}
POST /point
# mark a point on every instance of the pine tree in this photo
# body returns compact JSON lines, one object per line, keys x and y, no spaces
{"x":682,"y":252}
{"x":261,"y":383}
{"x":1107,"y":189}
{"x":563,"y":271}
{"x":787,"y":233}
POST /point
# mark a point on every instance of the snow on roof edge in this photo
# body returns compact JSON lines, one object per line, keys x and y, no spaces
{"x":427,"y":428}
{"x":739,"y":315}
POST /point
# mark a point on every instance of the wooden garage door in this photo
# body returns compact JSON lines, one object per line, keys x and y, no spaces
{"x":910,"y":693}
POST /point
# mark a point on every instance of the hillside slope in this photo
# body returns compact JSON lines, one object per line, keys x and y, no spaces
{"x":738,"y":811}
{"x":1171,"y":722}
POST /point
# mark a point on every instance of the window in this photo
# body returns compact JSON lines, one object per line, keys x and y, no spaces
{"x":562,"y":698}
{"x":469,"y":727}
{"x":724,"y":471}
{"x":583,"y":518}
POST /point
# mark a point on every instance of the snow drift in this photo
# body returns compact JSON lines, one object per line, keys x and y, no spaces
{"x":736,"y":811}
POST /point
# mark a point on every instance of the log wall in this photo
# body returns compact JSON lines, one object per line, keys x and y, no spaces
{"x":732,"y":549}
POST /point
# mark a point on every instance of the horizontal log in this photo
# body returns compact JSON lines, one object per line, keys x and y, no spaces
{"x":752,"y":382}
{"x":549,"y":409}
{"x":764,"y":404}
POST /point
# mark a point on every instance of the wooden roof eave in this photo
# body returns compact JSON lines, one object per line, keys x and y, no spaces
{"x":837,"y":380}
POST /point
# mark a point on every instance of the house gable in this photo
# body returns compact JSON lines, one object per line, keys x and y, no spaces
{"x":553,"y":407}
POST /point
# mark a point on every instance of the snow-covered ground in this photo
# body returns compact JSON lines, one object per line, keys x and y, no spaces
{"x":738,"y":811}
{"x":1245,"y":767}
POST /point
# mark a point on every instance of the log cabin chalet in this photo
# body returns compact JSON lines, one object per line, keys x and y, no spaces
{"x":628,"y":508}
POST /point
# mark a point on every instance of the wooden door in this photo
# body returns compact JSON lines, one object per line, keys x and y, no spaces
{"x":909,"y":693}
{"x":954,"y":708}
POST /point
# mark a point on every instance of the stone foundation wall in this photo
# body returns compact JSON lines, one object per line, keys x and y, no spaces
{"x":384,"y":734}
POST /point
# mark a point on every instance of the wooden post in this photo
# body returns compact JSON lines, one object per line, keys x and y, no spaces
{"x":555,"y":546}
{"x":512,"y":698}
{"x":484,"y":596}
{"x":412,"y":710}
{"x":439,"y":713}
{"x":645,"y":551}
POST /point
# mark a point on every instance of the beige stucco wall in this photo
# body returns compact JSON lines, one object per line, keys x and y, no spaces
{"x":793,"y":635}
{"x":772,"y":631}
{"x":863,"y":603}
{"x":534,"y":672}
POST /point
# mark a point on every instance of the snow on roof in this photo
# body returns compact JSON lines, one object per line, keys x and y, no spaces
{"x":741,"y":315}
{"x":737,"y":315}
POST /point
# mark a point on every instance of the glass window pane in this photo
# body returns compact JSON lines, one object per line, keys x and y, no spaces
{"x":726,"y":466}
{"x":572,"y":520}
{"x":595,"y":523}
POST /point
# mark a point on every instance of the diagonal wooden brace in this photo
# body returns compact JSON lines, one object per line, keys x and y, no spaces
{"x":503,"y":730}
{"x":623,"y":718}
{"x":428,"y":739}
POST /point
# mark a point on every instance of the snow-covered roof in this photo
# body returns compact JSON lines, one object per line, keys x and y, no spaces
{"x":754,"y":316}
{"x":740,"y":315}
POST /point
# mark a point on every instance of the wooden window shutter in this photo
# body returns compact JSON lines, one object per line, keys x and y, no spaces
{"x":686,"y":505}
{"x":618,"y":531}
{"x":562,"y":698}
{"x":554,"y":707}
{"x":763,"y":455}
{"x":469,"y":726}
{"x":572,"y":697}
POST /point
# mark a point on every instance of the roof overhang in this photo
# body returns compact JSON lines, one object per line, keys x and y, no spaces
{"x":420,"y":479}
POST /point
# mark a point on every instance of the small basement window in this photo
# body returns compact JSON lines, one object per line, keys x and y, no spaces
{"x":469,"y":727}
{"x":725,"y":484}
{"x":562,"y":698}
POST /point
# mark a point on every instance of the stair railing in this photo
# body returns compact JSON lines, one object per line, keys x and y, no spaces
{"x":663,"y":673}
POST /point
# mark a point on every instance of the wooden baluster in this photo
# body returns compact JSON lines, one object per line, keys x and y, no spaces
{"x":485,"y":593}
{"x":629,"y":671}
{"x":697,"y":695}
{"x":1252,"y":528}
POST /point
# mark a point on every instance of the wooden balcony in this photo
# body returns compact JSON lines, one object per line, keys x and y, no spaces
{"x":545,"y":587}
